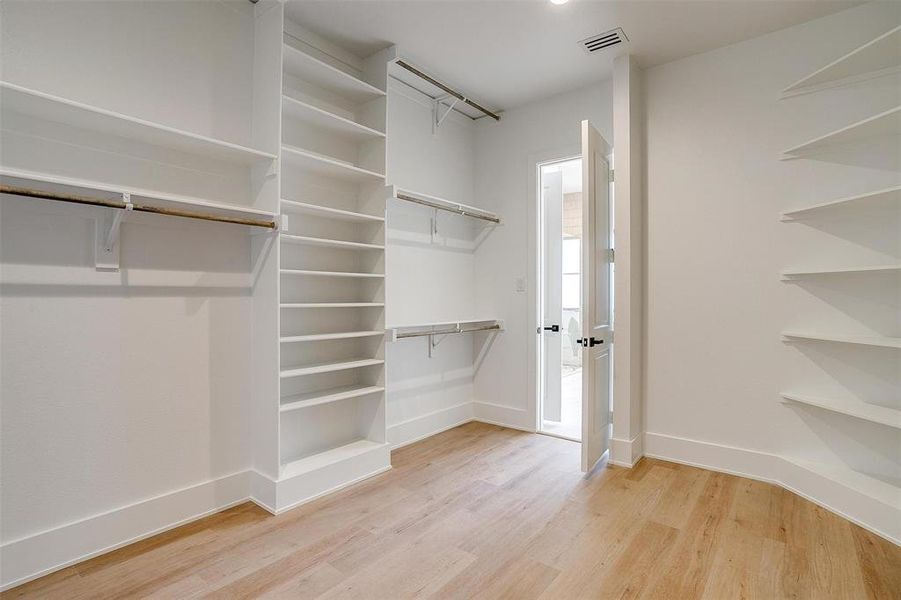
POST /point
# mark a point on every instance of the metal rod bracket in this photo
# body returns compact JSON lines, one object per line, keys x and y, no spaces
{"x":106,"y":236}
{"x":437,"y":105}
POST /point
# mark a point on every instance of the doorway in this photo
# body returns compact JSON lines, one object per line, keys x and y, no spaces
{"x":560,"y":248}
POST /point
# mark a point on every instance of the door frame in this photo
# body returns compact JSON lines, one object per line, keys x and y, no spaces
{"x":539,"y":285}
{"x":533,"y":276}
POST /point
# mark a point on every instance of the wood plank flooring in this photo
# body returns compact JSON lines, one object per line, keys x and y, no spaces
{"x":486,"y":512}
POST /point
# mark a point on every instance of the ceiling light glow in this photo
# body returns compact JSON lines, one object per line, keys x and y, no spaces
{"x":558,"y":2}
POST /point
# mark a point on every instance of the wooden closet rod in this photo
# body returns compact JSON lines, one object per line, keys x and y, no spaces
{"x":172,"y":212}
{"x":448,"y":90}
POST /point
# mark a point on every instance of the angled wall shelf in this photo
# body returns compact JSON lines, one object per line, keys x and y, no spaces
{"x":879,"y":56}
{"x":887,"y":197}
{"x":887,"y":123}
{"x":293,"y":305}
{"x":323,"y":75}
{"x":862,"y":340}
{"x":321,"y":337}
{"x":21,"y":100}
{"x":859,"y":410}
{"x":841,"y":271}
{"x":446,"y":205}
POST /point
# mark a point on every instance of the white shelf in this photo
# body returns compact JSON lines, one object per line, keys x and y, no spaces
{"x":862,"y":483}
{"x":306,"y":272}
{"x":327,"y":121}
{"x":327,"y":166}
{"x":159,"y":199}
{"x":18,"y":99}
{"x":329,"y":336}
{"x":877,"y":57}
{"x":329,"y":458}
{"x":293,"y":206}
{"x":887,"y":123}
{"x":332,"y":305}
{"x":323,"y":75}
{"x":887,"y":196}
{"x":846,"y":270}
{"x":443,"y":204}
{"x":863,"y":340}
{"x":314,"y":241}
{"x":325,"y":396}
{"x":330,"y":367}
{"x":861,"y":410}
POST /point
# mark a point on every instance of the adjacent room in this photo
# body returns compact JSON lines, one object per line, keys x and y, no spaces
{"x":386,"y":299}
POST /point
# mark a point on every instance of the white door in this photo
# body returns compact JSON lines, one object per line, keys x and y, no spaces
{"x":597,"y":330}
{"x":552,"y":196}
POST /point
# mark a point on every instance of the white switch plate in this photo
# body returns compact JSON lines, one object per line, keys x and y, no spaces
{"x":520,"y":283}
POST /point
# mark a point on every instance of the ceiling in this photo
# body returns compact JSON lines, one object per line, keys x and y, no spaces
{"x":505,"y":53}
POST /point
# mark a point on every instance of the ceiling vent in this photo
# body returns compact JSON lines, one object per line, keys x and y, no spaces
{"x":596,"y":43}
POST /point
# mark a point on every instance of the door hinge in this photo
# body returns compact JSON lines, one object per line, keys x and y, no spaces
{"x":611,"y":176}
{"x":611,"y":254}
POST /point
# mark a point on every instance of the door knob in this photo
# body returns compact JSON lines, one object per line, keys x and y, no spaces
{"x":552,"y":328}
{"x":589,"y":342}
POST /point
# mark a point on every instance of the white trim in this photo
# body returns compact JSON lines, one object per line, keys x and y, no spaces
{"x":424,"y":426}
{"x":835,"y":496}
{"x":506,"y":416}
{"x":331,"y":490}
{"x":33,"y":556}
{"x":625,"y":453}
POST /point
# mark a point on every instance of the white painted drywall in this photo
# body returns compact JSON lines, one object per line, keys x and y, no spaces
{"x":124,"y":395}
{"x":507,"y":154}
{"x":186,"y":64}
{"x":430,"y":278}
{"x":715,"y":248}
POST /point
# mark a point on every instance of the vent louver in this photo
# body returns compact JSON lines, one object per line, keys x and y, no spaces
{"x":598,"y":42}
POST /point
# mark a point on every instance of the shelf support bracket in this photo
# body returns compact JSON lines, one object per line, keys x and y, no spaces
{"x":106,"y":237}
{"x":439,"y":118}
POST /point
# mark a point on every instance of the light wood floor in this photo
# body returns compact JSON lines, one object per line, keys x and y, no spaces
{"x":486,"y":512}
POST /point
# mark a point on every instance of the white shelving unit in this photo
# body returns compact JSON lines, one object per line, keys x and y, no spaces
{"x":876,"y":58}
{"x":867,"y":412}
{"x":327,"y":284}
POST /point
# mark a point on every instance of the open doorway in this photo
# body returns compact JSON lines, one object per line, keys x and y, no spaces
{"x":560,"y":405}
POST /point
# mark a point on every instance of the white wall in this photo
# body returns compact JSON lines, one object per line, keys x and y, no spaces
{"x":122,"y":390}
{"x":507,"y":154}
{"x":715,"y":303}
{"x":429,"y":278}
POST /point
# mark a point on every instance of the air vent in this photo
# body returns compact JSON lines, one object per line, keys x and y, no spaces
{"x":596,"y":43}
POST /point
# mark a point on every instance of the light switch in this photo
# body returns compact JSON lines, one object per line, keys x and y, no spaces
{"x":520,"y":284}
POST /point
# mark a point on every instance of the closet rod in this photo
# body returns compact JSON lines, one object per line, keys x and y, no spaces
{"x":453,"y":209}
{"x":448,"y":90}
{"x":448,"y":331}
{"x":76,"y":199}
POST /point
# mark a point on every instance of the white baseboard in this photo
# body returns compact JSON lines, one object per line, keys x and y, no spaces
{"x":30,"y":557}
{"x":836,"y":496}
{"x":625,"y":453}
{"x":505,"y":416}
{"x":427,"y":425}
